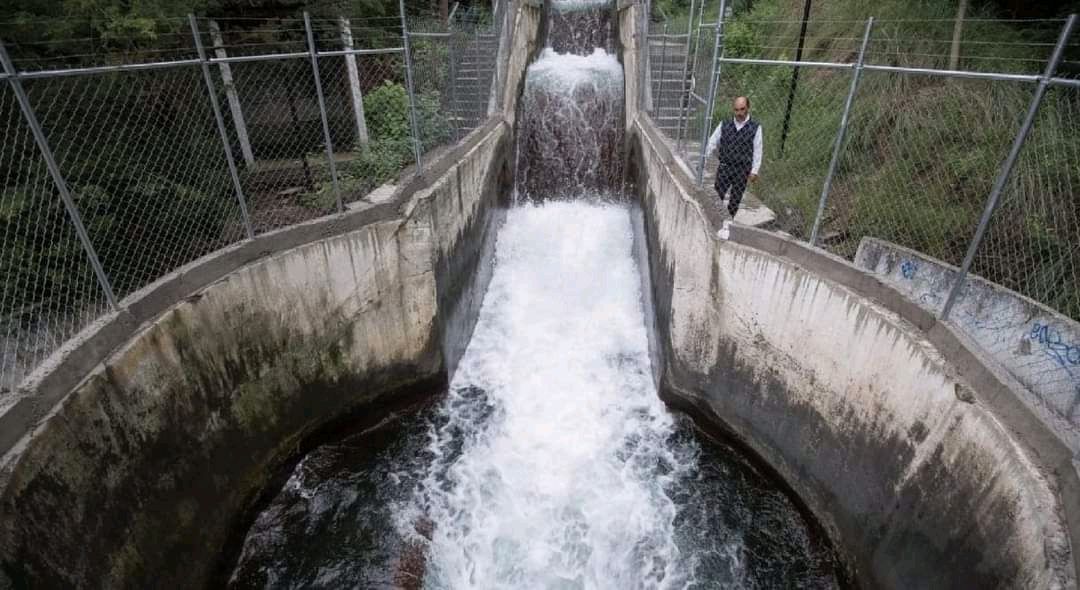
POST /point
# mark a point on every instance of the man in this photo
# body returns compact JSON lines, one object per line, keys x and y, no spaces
{"x":738,"y":145}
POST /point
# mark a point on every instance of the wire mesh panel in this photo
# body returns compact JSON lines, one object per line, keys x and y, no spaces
{"x":694,"y":120}
{"x":668,"y":73}
{"x":435,"y":51}
{"x":920,"y":161}
{"x":144,"y":160}
{"x":47,"y":287}
{"x":66,"y":43}
{"x":977,"y":45}
{"x":271,"y":105}
{"x":366,"y":106}
{"x":453,"y":73}
{"x":1033,"y":243}
{"x":284,"y":185}
{"x":377,"y":153}
{"x":471,"y":73}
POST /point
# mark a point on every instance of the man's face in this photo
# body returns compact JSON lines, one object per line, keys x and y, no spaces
{"x":741,"y":110}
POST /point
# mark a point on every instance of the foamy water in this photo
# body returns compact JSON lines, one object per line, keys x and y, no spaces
{"x":568,"y":71}
{"x":570,"y":139}
{"x":575,"y":5}
{"x":554,"y":463}
{"x":550,"y":463}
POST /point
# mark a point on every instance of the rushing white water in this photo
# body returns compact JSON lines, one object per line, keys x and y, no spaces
{"x":572,"y":5}
{"x":566,"y":72}
{"x":570,"y":139}
{"x":551,"y":463}
{"x":554,"y":461}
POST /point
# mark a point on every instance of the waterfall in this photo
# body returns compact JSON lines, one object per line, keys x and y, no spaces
{"x":578,"y":27}
{"x":570,"y":139}
{"x":551,"y":462}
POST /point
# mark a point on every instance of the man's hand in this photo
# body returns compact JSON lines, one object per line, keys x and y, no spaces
{"x":753,"y":178}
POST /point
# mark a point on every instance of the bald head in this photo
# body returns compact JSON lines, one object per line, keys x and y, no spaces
{"x":741,"y":107}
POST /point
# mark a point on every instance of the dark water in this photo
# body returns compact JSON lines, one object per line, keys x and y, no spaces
{"x":335,"y":524}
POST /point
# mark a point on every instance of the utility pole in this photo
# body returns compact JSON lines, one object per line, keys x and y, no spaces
{"x":958,"y":29}
{"x":795,"y":75}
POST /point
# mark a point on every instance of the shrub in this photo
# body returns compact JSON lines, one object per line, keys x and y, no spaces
{"x":389,"y":150}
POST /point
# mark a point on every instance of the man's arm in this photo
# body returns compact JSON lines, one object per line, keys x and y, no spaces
{"x":757,"y":152}
{"x":714,"y":139}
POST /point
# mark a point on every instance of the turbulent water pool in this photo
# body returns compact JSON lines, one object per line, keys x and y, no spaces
{"x":551,"y":461}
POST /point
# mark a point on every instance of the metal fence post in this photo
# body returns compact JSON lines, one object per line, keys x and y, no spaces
{"x":710,"y":104}
{"x":57,"y":177}
{"x":451,"y":74}
{"x":313,"y":54}
{"x":1010,"y":162}
{"x":841,"y":133}
{"x":232,"y":96}
{"x":345,"y":27}
{"x":205,"y":64}
{"x":409,"y":86}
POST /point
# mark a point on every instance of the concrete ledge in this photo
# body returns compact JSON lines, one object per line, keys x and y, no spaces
{"x":912,"y":447}
{"x":154,"y":429}
{"x":157,"y":426}
{"x":60,"y":373}
{"x":1037,"y":345}
{"x":752,"y":212}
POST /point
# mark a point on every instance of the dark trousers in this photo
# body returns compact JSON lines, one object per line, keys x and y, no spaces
{"x":734,"y":177}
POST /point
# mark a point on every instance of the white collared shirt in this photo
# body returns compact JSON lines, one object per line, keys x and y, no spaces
{"x":714,"y":140}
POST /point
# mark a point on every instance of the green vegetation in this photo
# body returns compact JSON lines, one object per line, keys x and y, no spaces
{"x":922,"y":152}
{"x":141,"y":152}
{"x":390,"y":149}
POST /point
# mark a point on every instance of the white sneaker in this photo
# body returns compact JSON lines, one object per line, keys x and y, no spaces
{"x":724,"y":232}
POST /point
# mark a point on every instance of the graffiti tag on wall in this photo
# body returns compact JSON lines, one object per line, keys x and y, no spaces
{"x":908,"y":268}
{"x":1066,"y":355}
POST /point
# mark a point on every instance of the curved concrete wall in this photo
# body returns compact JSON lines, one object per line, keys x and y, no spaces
{"x":907,"y":449}
{"x":159,"y":450}
{"x":1037,"y":345}
{"x":130,"y":458}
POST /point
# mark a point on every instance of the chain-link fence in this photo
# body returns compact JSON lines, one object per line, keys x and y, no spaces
{"x":201,"y":134}
{"x":900,"y":130}
{"x":455,"y":71}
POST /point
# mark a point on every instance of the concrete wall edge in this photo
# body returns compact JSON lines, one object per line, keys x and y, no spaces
{"x":62,"y":372}
{"x":995,"y":387}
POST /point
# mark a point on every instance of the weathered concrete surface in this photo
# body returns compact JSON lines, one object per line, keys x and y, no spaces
{"x":1035,"y":344}
{"x":156,"y":429}
{"x":466,"y":206}
{"x":922,"y":473}
{"x":166,"y":441}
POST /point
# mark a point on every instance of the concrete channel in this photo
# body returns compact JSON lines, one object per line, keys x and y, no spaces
{"x":129,"y":456}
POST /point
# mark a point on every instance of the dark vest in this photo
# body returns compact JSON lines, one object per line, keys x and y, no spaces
{"x":736,"y":147}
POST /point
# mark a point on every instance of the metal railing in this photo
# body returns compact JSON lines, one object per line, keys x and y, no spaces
{"x":118,"y":167}
{"x":975,"y":165}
